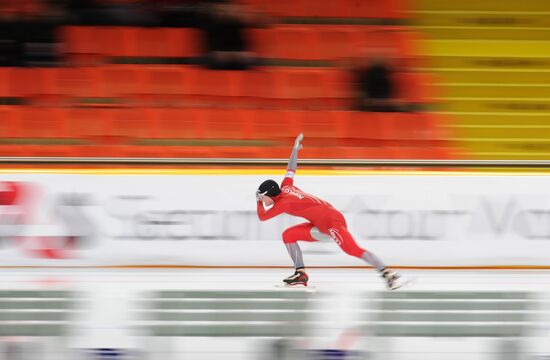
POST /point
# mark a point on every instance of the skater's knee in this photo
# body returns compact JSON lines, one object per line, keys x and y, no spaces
{"x":289,"y":236}
{"x":353,"y":250}
{"x":346,"y":242}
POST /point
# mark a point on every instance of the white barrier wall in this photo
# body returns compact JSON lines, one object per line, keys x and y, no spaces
{"x":208,"y":218}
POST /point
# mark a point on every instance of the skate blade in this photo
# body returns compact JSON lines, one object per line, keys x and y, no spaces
{"x":402,"y":283}
{"x":296,"y":287}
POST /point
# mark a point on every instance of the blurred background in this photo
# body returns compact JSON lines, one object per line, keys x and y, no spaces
{"x":222,"y":88}
{"x":392,"y":79}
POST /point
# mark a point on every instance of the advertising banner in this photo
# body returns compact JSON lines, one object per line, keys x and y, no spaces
{"x":201,"y":218}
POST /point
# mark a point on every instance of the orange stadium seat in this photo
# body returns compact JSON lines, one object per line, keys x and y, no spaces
{"x":6,"y":90}
{"x":129,"y":124}
{"x":439,"y":129}
{"x":281,"y":8}
{"x":148,"y":42}
{"x":361,"y":129}
{"x":398,"y":41}
{"x":320,"y":42}
{"x":81,"y":44}
{"x":89,"y":124}
{"x":222,"y":124}
{"x":164,"y":85}
{"x":213,"y":87}
{"x":8,"y":125}
{"x":158,"y":42}
{"x":183,"y":42}
{"x":77,"y":82}
{"x":274,"y":125}
{"x":293,"y":43}
{"x":194,"y":87}
{"x":12,"y":150}
{"x":174,"y":123}
{"x":416,"y":87}
{"x":417,"y":136}
{"x":409,"y":44}
{"x":329,"y":8}
{"x":42,"y":86}
{"x":256,"y":88}
{"x":298,"y":88}
{"x":164,"y":42}
{"x":339,"y":42}
{"x":405,"y":130}
{"x":115,"y":41}
{"x":28,"y":82}
{"x":38,"y":122}
{"x":29,"y":7}
{"x":122,"y":82}
{"x":260,"y":41}
{"x":338,"y":88}
{"x":373,"y":9}
{"x":323,"y":128}
{"x":128,"y":41}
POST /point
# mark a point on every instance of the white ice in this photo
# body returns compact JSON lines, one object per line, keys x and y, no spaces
{"x":111,"y":296}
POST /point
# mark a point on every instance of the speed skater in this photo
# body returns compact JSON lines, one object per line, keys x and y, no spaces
{"x":322,"y":220}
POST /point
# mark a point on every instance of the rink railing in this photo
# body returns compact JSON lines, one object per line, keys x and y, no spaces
{"x":265,"y":162}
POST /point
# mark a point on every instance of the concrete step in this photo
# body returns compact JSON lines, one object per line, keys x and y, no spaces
{"x":472,"y":104}
{"x":500,"y":149}
{"x":506,"y":75}
{"x":484,"y":33}
{"x":488,"y":19}
{"x":488,"y":62}
{"x":486,"y":48}
{"x":495,"y":90}
{"x":515,"y":132}
{"x":476,"y":5}
{"x":498,"y":118}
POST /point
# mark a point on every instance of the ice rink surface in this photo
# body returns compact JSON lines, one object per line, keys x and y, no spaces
{"x":326,"y":279}
{"x":111,"y":298}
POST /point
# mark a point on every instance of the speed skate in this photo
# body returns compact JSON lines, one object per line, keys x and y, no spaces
{"x":399,"y":282}
{"x":297,"y":287}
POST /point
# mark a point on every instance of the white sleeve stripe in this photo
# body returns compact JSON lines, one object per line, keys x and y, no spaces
{"x":289,"y":174}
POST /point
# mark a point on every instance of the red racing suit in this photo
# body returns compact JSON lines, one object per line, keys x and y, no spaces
{"x":317,"y":212}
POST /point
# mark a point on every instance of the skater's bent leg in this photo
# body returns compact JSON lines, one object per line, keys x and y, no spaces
{"x":318,"y":235}
{"x":345,"y":240}
{"x":296,"y":255}
{"x":373,"y":260}
{"x":293,"y":234}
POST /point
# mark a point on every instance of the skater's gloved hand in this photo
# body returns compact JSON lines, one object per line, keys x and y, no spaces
{"x":298,"y":142}
{"x":258,"y":195}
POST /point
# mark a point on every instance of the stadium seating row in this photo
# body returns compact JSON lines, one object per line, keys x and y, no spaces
{"x":126,"y":125}
{"x":21,"y":7}
{"x":292,"y":42}
{"x":190,"y":85}
{"x":231,"y":152}
{"x":388,"y":9}
{"x":474,"y":6}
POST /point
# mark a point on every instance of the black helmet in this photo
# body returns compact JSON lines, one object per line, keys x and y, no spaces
{"x":269,"y":188}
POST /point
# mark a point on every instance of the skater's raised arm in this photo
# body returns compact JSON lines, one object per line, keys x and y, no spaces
{"x":293,"y":161}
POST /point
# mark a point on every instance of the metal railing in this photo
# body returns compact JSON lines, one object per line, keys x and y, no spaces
{"x":266,"y":162}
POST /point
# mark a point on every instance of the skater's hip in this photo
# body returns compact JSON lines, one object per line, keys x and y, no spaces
{"x":330,"y":220}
